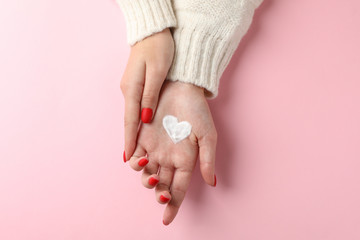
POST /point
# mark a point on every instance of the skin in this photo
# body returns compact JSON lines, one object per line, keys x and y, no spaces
{"x":173,"y":164}
{"x":146,"y":70}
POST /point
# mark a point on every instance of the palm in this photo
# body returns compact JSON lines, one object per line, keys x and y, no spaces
{"x":174,"y":163}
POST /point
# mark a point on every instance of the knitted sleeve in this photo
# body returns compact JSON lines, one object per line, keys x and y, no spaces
{"x":206,"y":36}
{"x":146,"y":17}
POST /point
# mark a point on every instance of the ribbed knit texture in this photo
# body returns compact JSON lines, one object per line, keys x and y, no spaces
{"x":206,"y":34}
{"x":257,"y":2}
{"x":146,"y":17}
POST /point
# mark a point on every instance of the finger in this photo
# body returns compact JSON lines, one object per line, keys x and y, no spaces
{"x":162,"y":190}
{"x":207,"y":154}
{"x":138,"y":160}
{"x":132,"y":87}
{"x":149,"y":176}
{"x":178,"y":188}
{"x":155,"y":77}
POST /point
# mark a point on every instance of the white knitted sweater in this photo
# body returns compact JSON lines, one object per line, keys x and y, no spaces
{"x":206,"y":33}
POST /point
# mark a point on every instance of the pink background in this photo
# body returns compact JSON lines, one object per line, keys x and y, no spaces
{"x":288,"y":114}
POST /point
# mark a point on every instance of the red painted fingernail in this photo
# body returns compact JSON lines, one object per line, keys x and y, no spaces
{"x":153,"y":181}
{"x":164,"y":199}
{"x":143,"y":162}
{"x":146,"y":115}
{"x":124,"y":156}
{"x":214,"y":180}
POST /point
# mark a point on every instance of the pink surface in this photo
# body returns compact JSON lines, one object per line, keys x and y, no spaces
{"x":288,"y":117}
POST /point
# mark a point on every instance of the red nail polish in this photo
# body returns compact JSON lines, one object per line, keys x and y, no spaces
{"x":124,"y":156}
{"x":146,"y":115}
{"x":143,"y":162}
{"x":214,"y":180}
{"x":153,"y":181}
{"x":164,"y":199}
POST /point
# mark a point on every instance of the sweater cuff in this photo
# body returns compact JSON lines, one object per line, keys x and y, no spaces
{"x":146,"y":17}
{"x":203,"y":51}
{"x":257,"y":3}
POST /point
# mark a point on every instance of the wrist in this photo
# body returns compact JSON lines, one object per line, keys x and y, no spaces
{"x":164,"y":33}
{"x":183,"y":87}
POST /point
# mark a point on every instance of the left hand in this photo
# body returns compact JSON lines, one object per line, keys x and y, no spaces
{"x":145,"y":73}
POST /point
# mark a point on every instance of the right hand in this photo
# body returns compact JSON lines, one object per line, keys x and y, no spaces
{"x":170,"y":166}
{"x":146,"y":70}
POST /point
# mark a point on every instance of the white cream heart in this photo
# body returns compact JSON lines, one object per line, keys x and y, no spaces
{"x":177,"y":131}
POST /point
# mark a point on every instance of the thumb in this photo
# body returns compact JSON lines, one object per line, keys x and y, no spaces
{"x":207,"y":150}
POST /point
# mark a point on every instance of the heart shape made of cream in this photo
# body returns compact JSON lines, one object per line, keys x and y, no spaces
{"x":177,"y":131}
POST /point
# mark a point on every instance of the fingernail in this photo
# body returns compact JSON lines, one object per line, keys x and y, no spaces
{"x":214,"y":180}
{"x":146,"y":115}
{"x":153,"y":181}
{"x":164,"y":223}
{"x":124,"y":156}
{"x":164,"y":199}
{"x":143,"y":162}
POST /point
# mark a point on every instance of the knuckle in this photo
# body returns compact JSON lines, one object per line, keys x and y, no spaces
{"x":129,"y":123}
{"x":123,"y":86}
{"x":132,"y":89}
{"x":212,"y":137}
{"x":162,"y":157}
{"x":215,"y":135}
{"x":178,"y":190}
{"x":149,"y":98}
{"x":146,"y":184}
{"x":134,"y":165}
{"x":209,"y":139}
{"x":159,"y":70}
{"x":162,"y":187}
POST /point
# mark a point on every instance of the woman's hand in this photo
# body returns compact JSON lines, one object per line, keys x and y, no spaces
{"x":146,"y":70}
{"x":167,"y":165}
